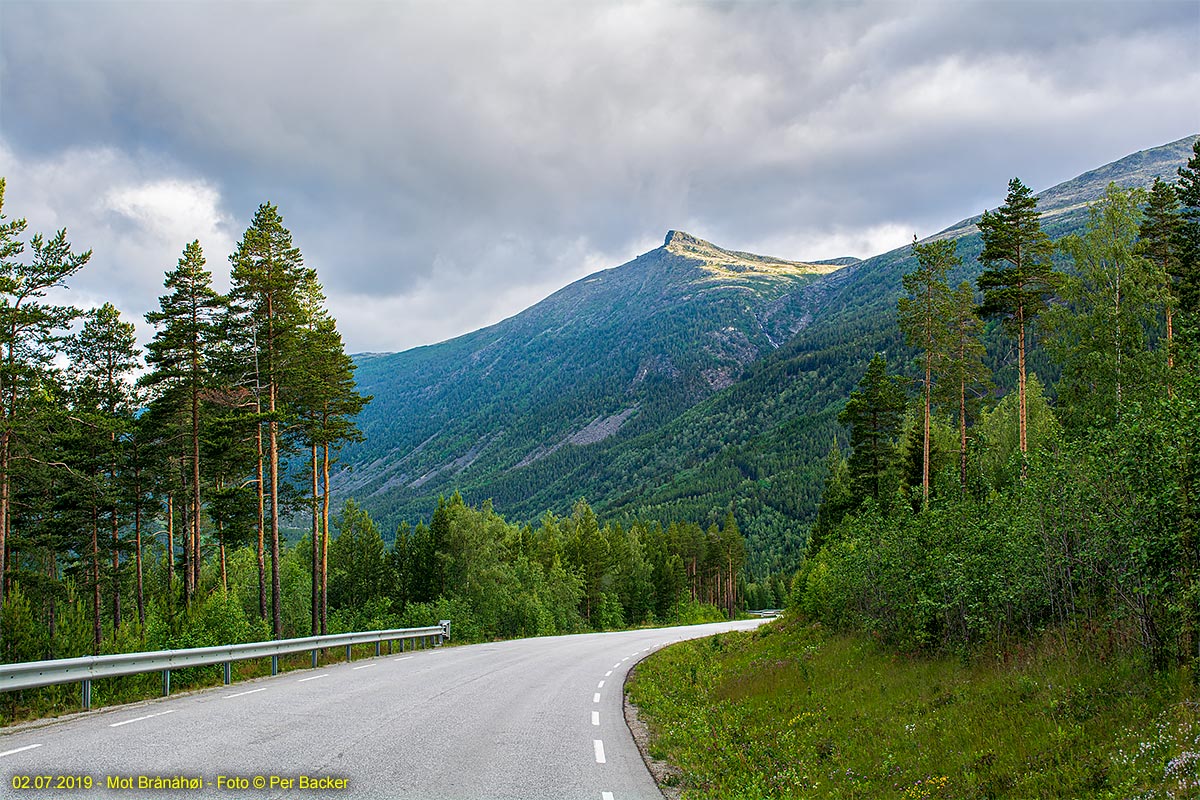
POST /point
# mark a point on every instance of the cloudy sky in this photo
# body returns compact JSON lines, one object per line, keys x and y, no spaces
{"x":444,"y":165}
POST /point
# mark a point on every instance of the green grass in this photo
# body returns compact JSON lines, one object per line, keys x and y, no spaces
{"x":793,"y":711}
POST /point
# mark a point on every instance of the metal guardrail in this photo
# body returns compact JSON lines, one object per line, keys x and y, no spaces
{"x":766,"y":612}
{"x":33,"y":674}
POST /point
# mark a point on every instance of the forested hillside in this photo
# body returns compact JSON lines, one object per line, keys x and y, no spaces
{"x":611,"y":356}
{"x":998,"y":597}
{"x":757,"y":446}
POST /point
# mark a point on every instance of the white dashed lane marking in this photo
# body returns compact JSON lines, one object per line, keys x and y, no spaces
{"x":364,"y":666}
{"x":599,"y":745}
{"x":600,"y":685}
{"x":596,"y":697}
{"x":595,"y":718}
{"x":610,"y":672}
{"x":239,"y":694}
{"x":139,"y":719}
{"x":606,"y":796}
{"x":402,"y":658}
{"x":314,"y":677}
{"x":16,"y":750}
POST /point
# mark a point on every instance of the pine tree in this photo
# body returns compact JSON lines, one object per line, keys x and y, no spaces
{"x":28,"y":329}
{"x":267,"y":279}
{"x":1018,"y":278}
{"x":326,"y":401}
{"x":964,"y":378}
{"x":180,"y":356}
{"x":922,"y":314}
{"x":104,"y":356}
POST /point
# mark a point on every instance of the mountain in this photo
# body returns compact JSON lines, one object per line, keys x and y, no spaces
{"x":686,"y":382}
{"x":616,"y":354}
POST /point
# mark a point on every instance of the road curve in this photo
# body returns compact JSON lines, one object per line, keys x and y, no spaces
{"x":531,"y":719}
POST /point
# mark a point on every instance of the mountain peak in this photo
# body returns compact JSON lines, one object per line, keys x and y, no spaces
{"x":732,"y":262}
{"x":682,"y":239}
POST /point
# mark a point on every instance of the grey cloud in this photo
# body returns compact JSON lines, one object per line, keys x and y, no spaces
{"x":455,"y":159}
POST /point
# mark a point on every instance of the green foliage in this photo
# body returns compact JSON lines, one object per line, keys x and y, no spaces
{"x":1104,"y":330}
{"x":874,"y":414}
{"x":997,"y":451}
{"x":791,"y":711}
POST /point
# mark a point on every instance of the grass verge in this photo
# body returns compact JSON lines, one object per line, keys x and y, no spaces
{"x":793,"y":711}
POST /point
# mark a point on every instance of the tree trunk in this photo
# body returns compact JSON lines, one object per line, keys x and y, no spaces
{"x":276,"y":605}
{"x":325,"y":539}
{"x":262,"y":567}
{"x":925,"y":464}
{"x":97,"y":630}
{"x":1021,"y":418}
{"x":962,"y":429}
{"x":171,"y":545}
{"x":1170,"y":354}
{"x":315,"y":548}
{"x":116,"y":580}
{"x":137,"y":538}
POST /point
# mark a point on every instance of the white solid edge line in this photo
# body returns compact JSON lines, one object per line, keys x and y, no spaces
{"x":606,"y":796}
{"x":314,"y":677}
{"x":599,"y":745}
{"x":139,"y":719}
{"x":596,"y":697}
{"x":243,"y":694}
{"x":19,"y":750}
{"x":364,"y":666}
{"x":402,"y":658}
{"x":595,"y":721}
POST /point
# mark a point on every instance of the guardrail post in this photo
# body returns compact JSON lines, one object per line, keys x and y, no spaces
{"x":166,"y":682}
{"x":87,"y":695}
{"x":228,"y":673}
{"x":401,"y":645}
{"x":349,"y":655}
{"x":314,"y":659}
{"x":274,"y":665}
{"x":377,"y":649}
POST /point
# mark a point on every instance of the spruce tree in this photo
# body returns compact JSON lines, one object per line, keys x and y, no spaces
{"x":874,"y":414}
{"x":1018,"y":278}
{"x":1188,"y":190}
{"x":1159,"y":242}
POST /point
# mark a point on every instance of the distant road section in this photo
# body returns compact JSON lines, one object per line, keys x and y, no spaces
{"x":531,"y":719}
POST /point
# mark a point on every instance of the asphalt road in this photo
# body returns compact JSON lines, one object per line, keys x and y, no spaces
{"x":533,"y":719}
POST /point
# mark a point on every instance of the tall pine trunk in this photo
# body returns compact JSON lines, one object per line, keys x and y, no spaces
{"x":315,"y":548}
{"x":195,"y":510}
{"x":262,"y":516}
{"x":325,"y":538}
{"x":1021,"y":417}
{"x":97,"y":629}
{"x":137,"y":540}
{"x":171,"y":546}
